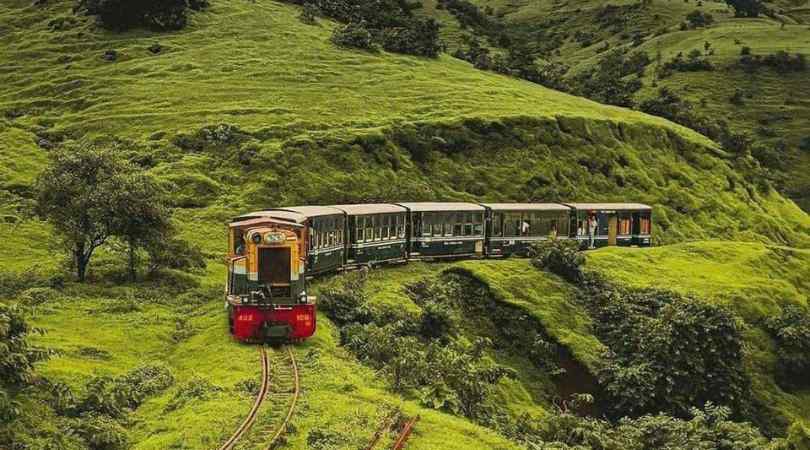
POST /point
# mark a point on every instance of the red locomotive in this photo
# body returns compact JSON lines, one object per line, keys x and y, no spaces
{"x":266,"y":286}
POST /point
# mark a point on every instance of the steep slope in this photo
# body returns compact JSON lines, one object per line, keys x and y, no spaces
{"x":579,"y":35}
{"x":754,"y":280}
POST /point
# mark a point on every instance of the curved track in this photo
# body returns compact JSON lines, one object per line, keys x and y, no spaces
{"x":283,"y":391}
{"x":251,"y":417}
{"x":285,"y":386}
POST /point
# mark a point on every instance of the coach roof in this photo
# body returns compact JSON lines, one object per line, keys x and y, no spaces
{"x":370,"y":208}
{"x":526,"y":207}
{"x":609,"y":206}
{"x":441,"y":206}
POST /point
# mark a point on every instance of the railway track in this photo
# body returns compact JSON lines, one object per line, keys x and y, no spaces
{"x":387,"y":423}
{"x":280,"y":385}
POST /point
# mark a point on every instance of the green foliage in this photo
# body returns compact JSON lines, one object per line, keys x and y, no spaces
{"x":347,"y":302}
{"x":747,"y":8}
{"x":695,"y":61}
{"x":791,"y":329}
{"x":698,"y":18}
{"x":389,"y":23}
{"x":174,"y":253}
{"x":354,"y":35}
{"x":560,"y":256}
{"x":707,"y":428}
{"x":781,"y":61}
{"x":114,"y":396}
{"x":17,"y":354}
{"x":607,"y":82}
{"x":668,"y":353}
{"x":101,"y":432}
{"x":158,"y":15}
{"x":195,"y":389}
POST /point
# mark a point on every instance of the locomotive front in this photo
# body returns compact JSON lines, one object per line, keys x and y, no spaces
{"x":266,"y":287}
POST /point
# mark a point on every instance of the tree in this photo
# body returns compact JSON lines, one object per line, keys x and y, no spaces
{"x":91,"y":195}
{"x":159,"y":15}
{"x":143,"y":217}
{"x":746,"y":8}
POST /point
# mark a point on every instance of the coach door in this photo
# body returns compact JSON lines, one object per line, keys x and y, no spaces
{"x":612,"y":229}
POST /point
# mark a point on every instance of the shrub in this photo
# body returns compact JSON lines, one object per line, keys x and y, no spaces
{"x":694,"y":62}
{"x":791,"y":329}
{"x":17,"y":355}
{"x":746,"y":8}
{"x":114,"y":396}
{"x":668,"y":353}
{"x":174,"y":253}
{"x":780,"y":61}
{"x":195,"y":389}
{"x":420,"y":37}
{"x":698,"y":19}
{"x":354,"y":35}
{"x":101,"y":433}
{"x":560,"y":256}
{"x":158,"y":15}
{"x":347,"y":302}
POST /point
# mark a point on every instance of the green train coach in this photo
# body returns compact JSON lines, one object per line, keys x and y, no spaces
{"x":272,"y":252}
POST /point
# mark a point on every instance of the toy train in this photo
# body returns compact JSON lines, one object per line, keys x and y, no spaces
{"x":273,"y":252}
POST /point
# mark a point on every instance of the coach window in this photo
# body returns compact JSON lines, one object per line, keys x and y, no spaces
{"x":645,"y":224}
{"x":436,"y":219}
{"x":383,"y":226}
{"x":427,"y":225}
{"x":359,"y":230}
{"x":400,"y":226}
{"x":497,"y":218}
{"x":478,"y":224}
{"x":624,"y":224}
{"x":447,"y":220}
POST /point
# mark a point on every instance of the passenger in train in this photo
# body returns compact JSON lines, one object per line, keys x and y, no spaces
{"x":591,"y":231}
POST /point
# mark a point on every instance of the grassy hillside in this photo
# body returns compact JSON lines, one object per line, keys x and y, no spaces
{"x":249,"y":107}
{"x":579,"y":34}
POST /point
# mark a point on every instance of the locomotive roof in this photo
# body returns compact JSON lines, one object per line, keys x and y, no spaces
{"x":441,"y":206}
{"x":370,"y":208}
{"x":526,"y":206}
{"x":610,"y":206}
{"x":251,"y":221}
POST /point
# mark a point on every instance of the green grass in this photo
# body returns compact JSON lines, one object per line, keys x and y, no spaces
{"x":278,"y":74}
{"x":339,"y":395}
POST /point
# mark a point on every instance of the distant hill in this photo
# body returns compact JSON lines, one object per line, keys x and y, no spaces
{"x":773,"y":109}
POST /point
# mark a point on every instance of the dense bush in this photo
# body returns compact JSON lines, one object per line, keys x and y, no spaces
{"x":421,"y":37}
{"x":387,"y":23}
{"x":114,"y":396}
{"x":698,"y":19}
{"x":560,"y":256}
{"x":709,"y":427}
{"x":101,"y":433}
{"x":346,"y":302}
{"x":791,"y":329}
{"x":695,"y":61}
{"x":17,"y":355}
{"x":780,"y":61}
{"x":747,"y":8}
{"x":609,"y":81}
{"x":668,"y":353}
{"x":354,"y":35}
{"x":154,"y":14}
